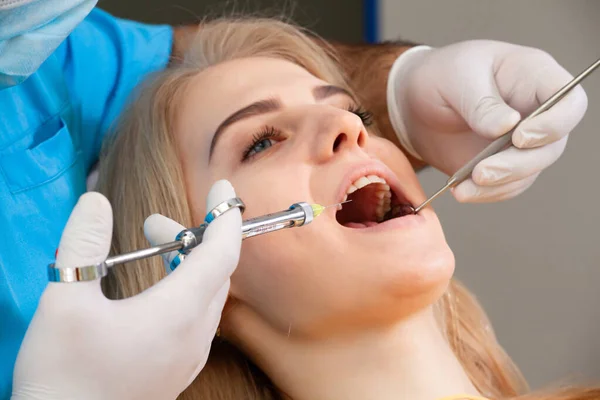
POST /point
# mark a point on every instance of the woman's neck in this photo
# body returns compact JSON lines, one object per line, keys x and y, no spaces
{"x":409,"y":360}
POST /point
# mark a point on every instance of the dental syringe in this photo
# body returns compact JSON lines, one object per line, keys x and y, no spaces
{"x":298,"y":214}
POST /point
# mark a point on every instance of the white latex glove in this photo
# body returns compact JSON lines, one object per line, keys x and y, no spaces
{"x":447,"y":104}
{"x":80,"y":345}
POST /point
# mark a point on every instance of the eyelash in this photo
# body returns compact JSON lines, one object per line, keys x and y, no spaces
{"x":365,"y":115}
{"x":269,"y":132}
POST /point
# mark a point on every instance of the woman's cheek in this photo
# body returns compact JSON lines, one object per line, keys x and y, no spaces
{"x":261,"y":262}
{"x":387,"y":152}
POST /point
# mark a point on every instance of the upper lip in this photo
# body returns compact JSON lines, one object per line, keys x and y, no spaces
{"x":377,"y":168}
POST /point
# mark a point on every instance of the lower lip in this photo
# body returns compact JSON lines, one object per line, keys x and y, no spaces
{"x":405,"y":222}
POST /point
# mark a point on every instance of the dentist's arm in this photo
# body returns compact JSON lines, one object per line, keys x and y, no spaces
{"x":80,"y":345}
{"x":443,"y":106}
{"x":447,"y":104}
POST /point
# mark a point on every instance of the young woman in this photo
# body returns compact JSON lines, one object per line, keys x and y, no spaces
{"x":358,"y":305}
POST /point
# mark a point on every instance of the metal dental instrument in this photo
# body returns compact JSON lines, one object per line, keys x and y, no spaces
{"x":297,"y":215}
{"x":504,"y":141}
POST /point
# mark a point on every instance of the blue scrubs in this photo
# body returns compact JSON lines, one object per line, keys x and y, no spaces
{"x":51,"y":129}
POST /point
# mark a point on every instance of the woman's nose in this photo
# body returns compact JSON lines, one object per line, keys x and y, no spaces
{"x":339,"y":131}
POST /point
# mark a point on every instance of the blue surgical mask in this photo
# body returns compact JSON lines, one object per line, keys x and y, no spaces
{"x":31,"y":30}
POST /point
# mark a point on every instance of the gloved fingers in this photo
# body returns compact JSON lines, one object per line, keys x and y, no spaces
{"x":208,"y":266}
{"x":88,"y":233}
{"x":483,"y":108}
{"x":219,"y":252}
{"x":85,"y":241}
{"x":159,"y":229}
{"x":514,"y":164}
{"x":469,"y":192}
{"x":544,"y":78}
{"x":554,"y":124}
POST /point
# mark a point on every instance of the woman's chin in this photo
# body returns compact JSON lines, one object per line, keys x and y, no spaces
{"x":425,"y":272}
{"x":388,"y":287}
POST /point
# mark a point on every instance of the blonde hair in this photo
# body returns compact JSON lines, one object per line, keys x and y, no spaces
{"x":140,"y":174}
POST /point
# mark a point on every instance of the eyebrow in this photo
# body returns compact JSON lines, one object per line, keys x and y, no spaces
{"x":323,"y":92}
{"x":269,"y":105}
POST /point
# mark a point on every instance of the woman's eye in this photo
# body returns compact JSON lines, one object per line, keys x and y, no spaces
{"x":260,"y":146}
{"x":261,"y":142}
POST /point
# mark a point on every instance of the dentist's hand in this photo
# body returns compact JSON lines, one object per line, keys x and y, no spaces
{"x":80,"y":345}
{"x":447,"y":104}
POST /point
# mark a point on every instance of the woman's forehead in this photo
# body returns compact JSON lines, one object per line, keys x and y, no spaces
{"x":239,"y":82}
{"x":220,"y":90}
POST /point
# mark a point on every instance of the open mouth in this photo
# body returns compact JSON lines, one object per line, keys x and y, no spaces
{"x":373,"y":202}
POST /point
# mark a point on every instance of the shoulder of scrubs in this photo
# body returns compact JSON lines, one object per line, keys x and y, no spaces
{"x":104,"y":58}
{"x":51,"y":128}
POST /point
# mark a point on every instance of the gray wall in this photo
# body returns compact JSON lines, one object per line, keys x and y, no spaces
{"x":534,"y":262}
{"x":321,"y":16}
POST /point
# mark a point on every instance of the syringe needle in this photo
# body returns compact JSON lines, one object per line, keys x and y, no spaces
{"x":318,"y":209}
{"x":337,"y":204}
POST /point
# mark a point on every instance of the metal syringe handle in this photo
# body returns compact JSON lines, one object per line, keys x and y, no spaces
{"x":297,"y":215}
{"x":142,"y":254}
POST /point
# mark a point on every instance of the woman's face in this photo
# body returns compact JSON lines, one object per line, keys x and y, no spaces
{"x":281,"y":136}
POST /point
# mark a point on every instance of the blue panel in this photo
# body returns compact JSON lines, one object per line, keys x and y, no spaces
{"x":371,"y":20}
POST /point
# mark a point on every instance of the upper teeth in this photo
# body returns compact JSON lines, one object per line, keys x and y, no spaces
{"x":383,"y":194}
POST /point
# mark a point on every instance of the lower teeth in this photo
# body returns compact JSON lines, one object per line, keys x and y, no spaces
{"x":399,"y":210}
